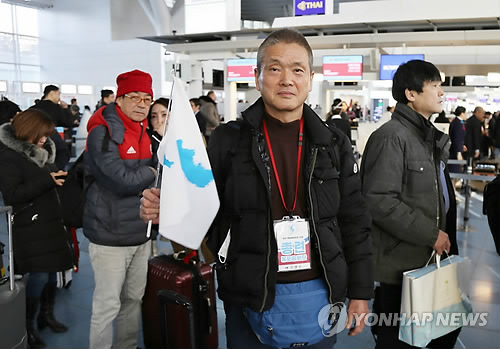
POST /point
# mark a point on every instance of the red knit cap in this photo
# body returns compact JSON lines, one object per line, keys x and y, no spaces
{"x":134,"y":81}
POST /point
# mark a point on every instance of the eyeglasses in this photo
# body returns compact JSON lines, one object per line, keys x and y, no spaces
{"x":148,"y":100}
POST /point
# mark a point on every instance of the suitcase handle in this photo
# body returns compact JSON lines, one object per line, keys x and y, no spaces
{"x":166,"y":297}
{"x":8,"y":210}
{"x":187,"y":258}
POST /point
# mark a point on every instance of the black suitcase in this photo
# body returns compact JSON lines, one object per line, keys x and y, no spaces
{"x":12,"y":301}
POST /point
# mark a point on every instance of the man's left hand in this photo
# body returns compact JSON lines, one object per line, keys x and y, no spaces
{"x":357,"y":310}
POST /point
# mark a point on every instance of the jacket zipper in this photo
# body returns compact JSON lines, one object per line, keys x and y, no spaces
{"x":433,"y":157}
{"x":269,"y":232}
{"x":266,"y":275}
{"x":315,"y":154}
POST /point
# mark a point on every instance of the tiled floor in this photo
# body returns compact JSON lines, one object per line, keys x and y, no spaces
{"x":74,"y":304}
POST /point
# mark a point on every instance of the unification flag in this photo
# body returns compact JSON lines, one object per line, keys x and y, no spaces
{"x":188,"y":200}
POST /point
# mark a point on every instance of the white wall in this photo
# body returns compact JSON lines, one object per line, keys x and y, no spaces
{"x":128,"y":20}
{"x":76,"y":46}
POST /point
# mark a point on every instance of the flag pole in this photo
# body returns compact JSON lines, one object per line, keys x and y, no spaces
{"x":159,"y":164}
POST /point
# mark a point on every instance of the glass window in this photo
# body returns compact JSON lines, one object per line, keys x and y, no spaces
{"x":85,"y":89}
{"x":7,"y":48}
{"x":27,"y":21}
{"x":29,"y":50}
{"x":3,"y":86}
{"x":29,"y":72}
{"x":19,"y":50}
{"x":6,"y":18}
{"x":7,"y":71}
{"x":31,"y":87}
{"x":68,"y":89}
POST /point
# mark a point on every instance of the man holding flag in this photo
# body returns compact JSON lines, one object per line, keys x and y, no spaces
{"x":292,"y":221}
{"x":119,"y":158}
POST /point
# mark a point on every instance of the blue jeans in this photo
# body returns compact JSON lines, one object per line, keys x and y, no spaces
{"x":239,"y":334}
{"x":37,"y":281}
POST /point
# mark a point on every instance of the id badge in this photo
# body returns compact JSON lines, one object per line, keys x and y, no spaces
{"x":294,"y":243}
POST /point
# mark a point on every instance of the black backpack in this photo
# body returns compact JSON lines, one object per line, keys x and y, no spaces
{"x":74,"y":191}
{"x":491,"y":208}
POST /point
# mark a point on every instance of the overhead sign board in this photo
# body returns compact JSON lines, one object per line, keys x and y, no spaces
{"x":390,"y":63}
{"x":309,"y":7}
{"x":241,"y":70}
{"x":343,"y":68}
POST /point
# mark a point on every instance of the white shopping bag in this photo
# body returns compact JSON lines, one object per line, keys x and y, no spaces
{"x":434,"y":300}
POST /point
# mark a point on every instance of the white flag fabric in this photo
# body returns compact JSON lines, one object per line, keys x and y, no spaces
{"x":188,"y":199}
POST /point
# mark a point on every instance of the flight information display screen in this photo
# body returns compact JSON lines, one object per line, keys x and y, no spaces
{"x":343,"y":68}
{"x":390,"y":63}
{"x":241,"y":70}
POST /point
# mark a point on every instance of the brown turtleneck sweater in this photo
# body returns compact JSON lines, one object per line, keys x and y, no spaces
{"x":284,"y":141}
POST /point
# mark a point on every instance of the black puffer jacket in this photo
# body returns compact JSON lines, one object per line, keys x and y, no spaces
{"x":40,"y":239}
{"x":339,"y":216}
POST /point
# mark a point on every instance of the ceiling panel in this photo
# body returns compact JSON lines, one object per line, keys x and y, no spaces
{"x":32,"y":3}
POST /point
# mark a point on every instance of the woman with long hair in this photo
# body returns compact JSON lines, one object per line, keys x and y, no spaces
{"x":28,"y":181}
{"x":156,"y":121}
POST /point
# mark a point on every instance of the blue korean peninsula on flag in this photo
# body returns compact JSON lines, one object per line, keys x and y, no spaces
{"x":188,"y":200}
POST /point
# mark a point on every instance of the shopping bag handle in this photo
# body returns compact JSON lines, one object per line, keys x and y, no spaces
{"x":437,"y":257}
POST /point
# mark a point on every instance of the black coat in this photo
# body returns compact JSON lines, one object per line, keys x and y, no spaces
{"x":201,"y":119}
{"x":60,"y":117}
{"x":457,"y":137}
{"x":342,"y":124}
{"x":340,"y":222}
{"x":495,"y":134}
{"x":155,"y":142}
{"x":40,"y":238}
{"x":473,"y":135}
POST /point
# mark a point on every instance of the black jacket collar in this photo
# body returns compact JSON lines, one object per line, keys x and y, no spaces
{"x":316,"y":130}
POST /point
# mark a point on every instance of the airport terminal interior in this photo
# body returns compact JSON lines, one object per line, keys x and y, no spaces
{"x":211,"y":45}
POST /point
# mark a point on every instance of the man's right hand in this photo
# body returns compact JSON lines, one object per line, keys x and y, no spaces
{"x":442,"y":243}
{"x":150,"y":205}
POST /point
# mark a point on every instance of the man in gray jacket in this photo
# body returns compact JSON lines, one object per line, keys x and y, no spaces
{"x":409,"y":192}
{"x":119,"y":158}
{"x":209,"y":110}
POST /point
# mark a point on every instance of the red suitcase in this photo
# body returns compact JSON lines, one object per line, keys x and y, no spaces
{"x":171,"y":325}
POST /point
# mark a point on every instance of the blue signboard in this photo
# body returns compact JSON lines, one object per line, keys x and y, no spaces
{"x":390,"y":63}
{"x":309,"y":7}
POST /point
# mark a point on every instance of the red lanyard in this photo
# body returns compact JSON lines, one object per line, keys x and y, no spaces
{"x":276,"y":171}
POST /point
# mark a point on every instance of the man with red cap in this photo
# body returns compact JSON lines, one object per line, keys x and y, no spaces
{"x":119,"y":157}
